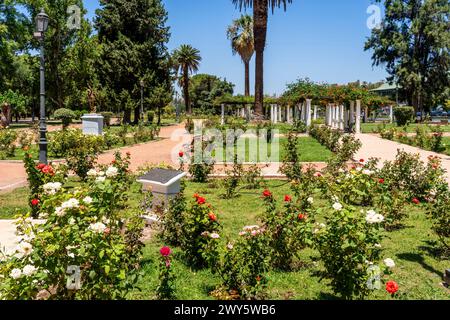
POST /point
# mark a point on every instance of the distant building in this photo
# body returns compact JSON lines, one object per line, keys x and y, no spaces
{"x":389,"y":90}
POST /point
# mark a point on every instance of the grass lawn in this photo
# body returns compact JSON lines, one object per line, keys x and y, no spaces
{"x":373,"y":127}
{"x":309,"y":150}
{"x":418,"y":268}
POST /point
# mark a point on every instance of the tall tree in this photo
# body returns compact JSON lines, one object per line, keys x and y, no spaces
{"x":133,"y":36}
{"x":260,"y":18}
{"x":205,"y":88}
{"x":240,"y":33}
{"x":186,"y":60}
{"x":413,"y":43}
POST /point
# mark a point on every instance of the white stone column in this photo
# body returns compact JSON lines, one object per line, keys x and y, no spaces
{"x":271,"y":113}
{"x":352,"y":113}
{"x":308,"y":112}
{"x":280,"y":114}
{"x":288,"y":114}
{"x":391,"y":114}
{"x":222,"y":114}
{"x":315,"y":113}
{"x":346,"y":118}
{"x":341,"y":117}
{"x":333,"y":116}
{"x":327,"y":115}
{"x":275,"y":113}
{"x":358,"y":117}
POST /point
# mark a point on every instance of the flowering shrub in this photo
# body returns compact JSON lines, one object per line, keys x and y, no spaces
{"x":326,"y":136}
{"x":166,"y":287}
{"x":289,"y":230}
{"x":403,"y":115}
{"x":42,"y":179}
{"x":200,"y":170}
{"x":173,"y":219}
{"x":86,"y":249}
{"x":439,"y":211}
{"x":200,"y":232}
{"x":348,"y":244}
{"x":233,"y":178}
{"x":243,"y":266}
{"x":7,"y":143}
{"x":291,"y":166}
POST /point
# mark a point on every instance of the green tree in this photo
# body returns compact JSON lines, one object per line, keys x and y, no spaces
{"x":159,"y":98}
{"x":260,"y":18}
{"x":240,"y":33}
{"x":205,"y":88}
{"x":413,"y":44}
{"x":133,"y":37}
{"x":186,"y":60}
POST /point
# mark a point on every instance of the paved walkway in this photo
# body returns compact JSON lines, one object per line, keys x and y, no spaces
{"x":386,"y":150}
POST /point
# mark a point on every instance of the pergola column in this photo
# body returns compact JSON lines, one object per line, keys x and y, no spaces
{"x":358,"y":117}
{"x":327,"y":115}
{"x":288,"y":114}
{"x":308,"y":112}
{"x":352,"y":113}
{"x":315,"y":113}
{"x":341,"y":117}
{"x":333,"y":116}
{"x":222,"y":114}
{"x":280,"y":115}
{"x":391,"y":113}
{"x":346,"y":118}
{"x":275,"y":113}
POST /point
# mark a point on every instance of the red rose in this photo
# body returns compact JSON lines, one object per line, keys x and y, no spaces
{"x":361,"y":160}
{"x":258,"y":278}
{"x":381,"y":181}
{"x":301,"y":216}
{"x":165,"y":251}
{"x":40,"y":166}
{"x":196,"y":196}
{"x":415,"y":201}
{"x":35,"y":202}
{"x":128,"y":153}
{"x":287,"y":198}
{"x":201,"y":200}
{"x":181,"y":154}
{"x":353,"y":167}
{"x":107,"y":231}
{"x":267,"y":193}
{"x":167,"y":263}
{"x":212,"y":216}
{"x":391,"y":287}
{"x":47,"y":170}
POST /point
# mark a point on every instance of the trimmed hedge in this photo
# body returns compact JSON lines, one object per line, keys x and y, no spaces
{"x":403,"y":115}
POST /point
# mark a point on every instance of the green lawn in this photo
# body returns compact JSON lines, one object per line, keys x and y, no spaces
{"x":309,"y":150}
{"x":373,"y":127}
{"x":418,"y":269}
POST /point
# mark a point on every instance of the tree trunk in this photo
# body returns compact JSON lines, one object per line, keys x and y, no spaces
{"x":260,"y":16}
{"x":159,"y":116}
{"x":126,"y":116}
{"x":137,"y":115}
{"x":247,"y":78}
{"x":187,"y":101}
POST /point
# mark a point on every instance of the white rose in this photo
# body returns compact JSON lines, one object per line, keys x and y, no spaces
{"x":310,"y":200}
{"x":60,"y":211}
{"x":389,"y":263}
{"x":100,"y":179}
{"x":337,"y":206}
{"x":87,"y":200}
{"x":70,"y":204}
{"x":112,"y":172}
{"x":29,"y":270}
{"x":25,"y":248}
{"x":16,"y":273}
{"x":97,"y":227}
{"x":214,"y":235}
{"x":92,"y":173}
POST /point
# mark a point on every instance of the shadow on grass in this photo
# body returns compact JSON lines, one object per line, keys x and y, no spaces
{"x":327,"y":296}
{"x":435,"y":250}
{"x":414,"y":257}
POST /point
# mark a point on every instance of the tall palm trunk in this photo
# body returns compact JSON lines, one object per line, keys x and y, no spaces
{"x":260,"y":16}
{"x":186,"y":91}
{"x":247,"y":78}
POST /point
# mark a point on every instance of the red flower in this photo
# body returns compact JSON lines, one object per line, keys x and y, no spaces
{"x":107,"y":231}
{"x":381,"y":181}
{"x":391,"y":287}
{"x":212,"y":216}
{"x":165,"y":251}
{"x":361,"y":160}
{"x":301,"y":216}
{"x":201,"y":200}
{"x":181,"y":154}
{"x":416,"y":201}
{"x":113,"y":162}
{"x":258,"y":278}
{"x":35,"y":202}
{"x":40,"y":166}
{"x":267,"y":194}
{"x":196,"y":196}
{"x":167,"y":263}
{"x":287,"y":198}
{"x":47,"y":170}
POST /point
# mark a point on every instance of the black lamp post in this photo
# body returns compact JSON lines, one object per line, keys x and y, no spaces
{"x":41,"y":27}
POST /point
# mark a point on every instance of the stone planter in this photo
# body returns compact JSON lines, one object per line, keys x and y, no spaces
{"x":92,"y":124}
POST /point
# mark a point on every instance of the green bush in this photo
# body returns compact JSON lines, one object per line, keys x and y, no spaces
{"x":403,"y":115}
{"x":7,"y":143}
{"x":107,"y":117}
{"x":65,"y":115}
{"x":150,"y":116}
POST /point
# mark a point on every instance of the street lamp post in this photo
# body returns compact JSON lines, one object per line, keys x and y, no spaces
{"x":41,"y":27}
{"x":142,"y":99}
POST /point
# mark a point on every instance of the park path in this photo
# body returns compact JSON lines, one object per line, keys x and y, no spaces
{"x":386,"y":150}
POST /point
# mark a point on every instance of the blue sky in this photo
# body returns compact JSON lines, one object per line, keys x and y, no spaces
{"x":319,"y":39}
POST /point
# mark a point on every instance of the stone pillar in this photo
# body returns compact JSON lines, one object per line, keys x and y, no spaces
{"x":346,"y":119}
{"x":341,"y":117}
{"x":288,"y":115}
{"x":333,"y":116}
{"x":358,"y":117}
{"x":271,"y":113}
{"x":327,"y":115}
{"x":222,"y":114}
{"x":391,"y":114}
{"x":315,"y":113}
{"x":275,"y":113}
{"x":352,"y":113}
{"x":308,"y":112}
{"x":280,"y":114}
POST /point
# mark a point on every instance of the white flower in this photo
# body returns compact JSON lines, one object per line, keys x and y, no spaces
{"x":16,"y":273}
{"x":100,"y":179}
{"x":71,"y":221}
{"x":377,"y":245}
{"x":25,"y":248}
{"x":52,"y":188}
{"x":310,"y":200}
{"x":43,"y":215}
{"x":60,"y":211}
{"x":92,"y":173}
{"x":101,"y":173}
{"x":87,"y":200}
{"x":250,"y":228}
{"x":29,"y":270}
{"x":71,"y":255}
{"x":112,"y":172}
{"x":389,"y":263}
{"x":337,"y":206}
{"x":214,"y":235}
{"x":368,"y":172}
{"x":373,"y":217}
{"x":70,"y":204}
{"x":97,"y":227}
{"x":230,"y":246}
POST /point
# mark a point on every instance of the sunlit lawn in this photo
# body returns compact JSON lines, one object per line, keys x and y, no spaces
{"x":418,"y":272}
{"x":373,"y":127}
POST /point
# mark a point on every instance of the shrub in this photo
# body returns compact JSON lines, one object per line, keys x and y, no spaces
{"x":151,"y":117}
{"x":81,"y":252}
{"x":291,"y":166}
{"x":348,"y":245}
{"x":439,"y":211}
{"x":173,"y":219}
{"x":107,"y":118}
{"x":65,"y":115}
{"x":252,"y":177}
{"x":25,"y":138}
{"x":299,"y":126}
{"x":7,"y":143}
{"x":243,"y":266}
{"x":403,"y":115}
{"x":144,"y":134}
{"x":111,"y":139}
{"x":123,"y":133}
{"x":388,"y":134}
{"x":166,"y":287}
{"x":233,"y":177}
{"x":436,"y":140}
{"x":200,"y":233}
{"x":200,"y":165}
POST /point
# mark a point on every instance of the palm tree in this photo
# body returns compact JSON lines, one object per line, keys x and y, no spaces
{"x":260,"y":17}
{"x":241,"y":35}
{"x":187,"y":60}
